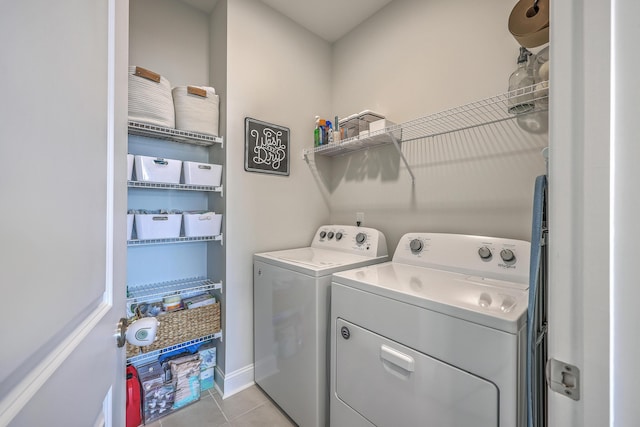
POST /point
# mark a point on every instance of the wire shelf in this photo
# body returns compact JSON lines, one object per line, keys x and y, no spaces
{"x":155,"y":291}
{"x":160,"y":132}
{"x":137,"y":242}
{"x":506,"y":106}
{"x":153,"y":355}
{"x":167,"y":186}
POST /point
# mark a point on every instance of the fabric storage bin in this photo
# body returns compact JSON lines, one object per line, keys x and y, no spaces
{"x":150,"y":99}
{"x":202,"y":173}
{"x":129,"y":166}
{"x":185,"y":325}
{"x":157,"y":169}
{"x":196,"y":109}
{"x":129,"y":226}
{"x":201,"y":224}
{"x":158,"y":226}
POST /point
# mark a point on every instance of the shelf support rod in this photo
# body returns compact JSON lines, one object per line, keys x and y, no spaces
{"x":404,"y":159}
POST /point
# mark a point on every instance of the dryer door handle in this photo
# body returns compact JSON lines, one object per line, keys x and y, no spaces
{"x":397,"y":358}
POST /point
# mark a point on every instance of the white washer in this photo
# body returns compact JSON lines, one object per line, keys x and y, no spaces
{"x":436,"y":337}
{"x":291,"y":315}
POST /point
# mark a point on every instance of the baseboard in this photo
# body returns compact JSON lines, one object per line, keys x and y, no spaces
{"x":233,"y":382}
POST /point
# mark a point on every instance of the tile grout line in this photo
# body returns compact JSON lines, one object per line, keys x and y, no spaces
{"x":243,"y":413}
{"x":247,"y":411}
{"x":219,"y":407}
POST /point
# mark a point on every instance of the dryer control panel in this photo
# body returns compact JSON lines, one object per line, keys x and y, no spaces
{"x":482,"y":256}
{"x":348,"y":238}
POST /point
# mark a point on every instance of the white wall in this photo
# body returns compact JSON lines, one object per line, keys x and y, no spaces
{"x":216,"y":254}
{"x":415,"y":58}
{"x":579,"y":207}
{"x":279,"y":73}
{"x":170,"y":38}
{"x":625,"y":200}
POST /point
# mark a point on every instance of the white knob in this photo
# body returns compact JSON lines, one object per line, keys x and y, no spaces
{"x":484,"y":252}
{"x":507,"y":255}
{"x":415,"y":246}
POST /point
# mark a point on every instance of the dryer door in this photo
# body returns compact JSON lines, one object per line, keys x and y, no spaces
{"x":392,"y":385}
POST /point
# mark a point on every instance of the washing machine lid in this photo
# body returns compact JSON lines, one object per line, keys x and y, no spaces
{"x":489,"y":302}
{"x":315,"y":261}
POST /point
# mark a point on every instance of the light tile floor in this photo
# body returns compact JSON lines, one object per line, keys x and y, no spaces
{"x":249,"y":408}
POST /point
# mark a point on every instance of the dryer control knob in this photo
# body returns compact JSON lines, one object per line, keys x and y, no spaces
{"x":361,"y":238}
{"x":338,"y":235}
{"x":416,"y":246}
{"x":330,"y":235}
{"x":507,"y":255}
{"x":484,"y":252}
{"x":323,"y":234}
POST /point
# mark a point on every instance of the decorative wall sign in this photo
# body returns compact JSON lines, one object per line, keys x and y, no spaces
{"x":266,"y":147}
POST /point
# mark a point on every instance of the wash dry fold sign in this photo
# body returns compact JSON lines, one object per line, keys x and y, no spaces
{"x":266,"y":147}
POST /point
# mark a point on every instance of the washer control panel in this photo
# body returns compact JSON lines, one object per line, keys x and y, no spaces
{"x":347,"y":238}
{"x":482,"y":256}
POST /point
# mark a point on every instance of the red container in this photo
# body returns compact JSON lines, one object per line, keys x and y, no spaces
{"x":134,"y":402}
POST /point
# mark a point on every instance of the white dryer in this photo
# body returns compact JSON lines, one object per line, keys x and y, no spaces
{"x":291,"y":315}
{"x":436,"y":337}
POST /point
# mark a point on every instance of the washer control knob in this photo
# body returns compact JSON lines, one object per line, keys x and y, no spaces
{"x":322,"y":234}
{"x":507,"y":255}
{"x":361,"y":238}
{"x":330,"y":235}
{"x":484,"y":252}
{"x":338,"y":235}
{"x":416,"y":246}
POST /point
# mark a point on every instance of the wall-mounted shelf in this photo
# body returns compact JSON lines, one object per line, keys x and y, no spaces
{"x":136,"y":242}
{"x":166,"y":186}
{"x":155,"y":291}
{"x":480,"y":113}
{"x":185,"y":137}
{"x":140,"y":359}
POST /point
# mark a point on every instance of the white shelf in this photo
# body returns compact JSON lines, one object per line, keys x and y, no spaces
{"x":155,"y":291}
{"x":185,"y":137}
{"x":153,"y":355}
{"x":479,"y":113}
{"x":166,"y":186}
{"x":137,"y":242}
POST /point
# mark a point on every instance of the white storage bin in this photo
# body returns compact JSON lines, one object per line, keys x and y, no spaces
{"x":129,"y":166}
{"x":202,"y":224}
{"x":197,"y":109}
{"x":156,"y":169}
{"x":202,"y":173}
{"x":150,"y":99}
{"x":158,"y":226}
{"x":129,"y":226}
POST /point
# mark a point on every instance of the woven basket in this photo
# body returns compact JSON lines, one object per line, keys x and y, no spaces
{"x":180,"y":326}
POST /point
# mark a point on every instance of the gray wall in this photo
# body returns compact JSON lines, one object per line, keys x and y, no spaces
{"x":170,"y":38}
{"x":279,"y":73}
{"x":411,"y":59}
